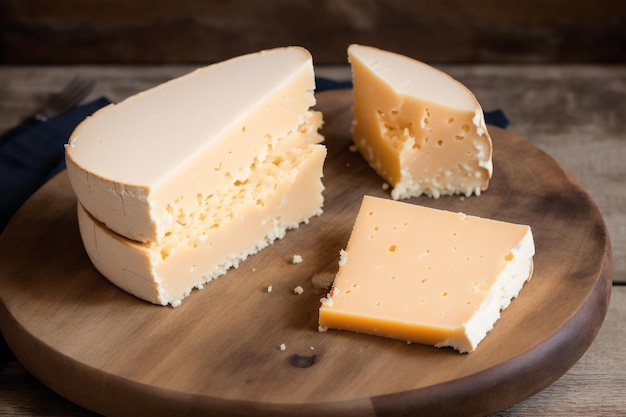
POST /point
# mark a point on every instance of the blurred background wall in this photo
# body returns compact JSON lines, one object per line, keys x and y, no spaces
{"x":201,"y":31}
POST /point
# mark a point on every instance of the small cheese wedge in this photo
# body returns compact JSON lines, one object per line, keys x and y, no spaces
{"x":281,"y":192}
{"x":417,"y":127}
{"x":425,"y":275}
{"x":145,"y":165}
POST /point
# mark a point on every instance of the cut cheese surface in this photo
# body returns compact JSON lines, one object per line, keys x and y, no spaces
{"x":181,"y":182}
{"x":280,"y":193}
{"x":417,"y":127}
{"x":146,"y":164}
{"x":427,"y":276}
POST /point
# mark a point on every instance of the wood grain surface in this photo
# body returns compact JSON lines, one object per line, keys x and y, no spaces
{"x":184,"y":31}
{"x":218,"y":351}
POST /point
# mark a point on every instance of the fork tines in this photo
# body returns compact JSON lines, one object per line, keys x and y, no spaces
{"x":77,"y":89}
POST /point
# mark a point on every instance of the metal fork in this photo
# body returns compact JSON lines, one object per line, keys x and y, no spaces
{"x":72,"y":94}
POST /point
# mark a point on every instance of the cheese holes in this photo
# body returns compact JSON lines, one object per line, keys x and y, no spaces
{"x":464,"y":130}
{"x":426,"y":118}
{"x":165,"y":252}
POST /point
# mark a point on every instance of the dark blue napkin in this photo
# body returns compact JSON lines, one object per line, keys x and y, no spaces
{"x":32,"y":153}
{"x":496,"y":117}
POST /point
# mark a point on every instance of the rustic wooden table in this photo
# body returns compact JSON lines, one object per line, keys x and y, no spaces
{"x":576,"y":113}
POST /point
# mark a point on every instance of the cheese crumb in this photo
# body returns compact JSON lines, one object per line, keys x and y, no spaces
{"x":343,"y":257}
{"x":282,"y":346}
{"x":298,"y":290}
{"x":328,"y":300}
{"x":296,"y":259}
{"x":385,"y":186}
{"x":353,"y":148}
{"x":269,"y":288}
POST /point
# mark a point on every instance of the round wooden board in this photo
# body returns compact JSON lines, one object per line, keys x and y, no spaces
{"x":218,"y":353}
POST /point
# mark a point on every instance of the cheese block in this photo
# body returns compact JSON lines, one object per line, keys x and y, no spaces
{"x":280,"y":193}
{"x":420,"y":129}
{"x":425,"y":275}
{"x":177,"y":184}
{"x":145,"y":166}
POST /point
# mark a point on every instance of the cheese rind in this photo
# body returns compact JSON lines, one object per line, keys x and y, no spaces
{"x":282,"y":192}
{"x":199,"y":132}
{"x":417,"y":127}
{"x":425,"y":275}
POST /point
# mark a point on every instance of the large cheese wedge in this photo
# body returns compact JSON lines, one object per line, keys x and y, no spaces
{"x":420,"y":129}
{"x":280,"y":193}
{"x":181,"y":182}
{"x":144,"y":166}
{"x":427,"y":276}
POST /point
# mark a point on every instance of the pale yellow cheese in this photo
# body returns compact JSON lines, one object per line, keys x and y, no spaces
{"x":145,"y":165}
{"x":181,"y":182}
{"x":425,"y":275}
{"x":420,"y":129}
{"x":281,"y":192}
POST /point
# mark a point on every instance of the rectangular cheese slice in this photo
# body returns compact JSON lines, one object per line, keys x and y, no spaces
{"x":281,"y":192}
{"x":144,"y":166}
{"x":420,"y":129}
{"x":425,"y":275}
